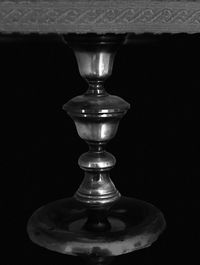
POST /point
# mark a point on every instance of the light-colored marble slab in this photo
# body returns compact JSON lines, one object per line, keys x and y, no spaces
{"x":101,"y":16}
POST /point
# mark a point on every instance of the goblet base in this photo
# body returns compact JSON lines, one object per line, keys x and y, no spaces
{"x":70,"y":227}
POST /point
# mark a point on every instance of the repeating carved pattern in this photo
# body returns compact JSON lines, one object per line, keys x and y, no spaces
{"x":30,"y":17}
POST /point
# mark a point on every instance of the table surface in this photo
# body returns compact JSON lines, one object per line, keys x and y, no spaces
{"x":102,"y":16}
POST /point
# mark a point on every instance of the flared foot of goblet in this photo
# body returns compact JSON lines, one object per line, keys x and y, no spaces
{"x":69,"y":227}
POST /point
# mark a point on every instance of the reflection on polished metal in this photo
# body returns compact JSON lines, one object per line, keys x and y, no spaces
{"x":96,"y":115}
{"x":95,"y":54}
{"x":97,"y":222}
{"x":69,"y":227}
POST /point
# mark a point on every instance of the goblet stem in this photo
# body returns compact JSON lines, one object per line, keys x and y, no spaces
{"x":96,"y":115}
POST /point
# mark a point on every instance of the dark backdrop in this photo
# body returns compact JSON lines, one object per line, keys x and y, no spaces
{"x":157,"y":145}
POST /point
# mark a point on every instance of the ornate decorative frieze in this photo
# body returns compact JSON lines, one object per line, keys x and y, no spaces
{"x":100,"y":16}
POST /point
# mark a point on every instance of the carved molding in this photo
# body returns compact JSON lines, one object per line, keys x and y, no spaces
{"x":100,"y":16}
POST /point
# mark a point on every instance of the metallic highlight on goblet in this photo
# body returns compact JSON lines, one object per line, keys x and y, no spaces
{"x":93,"y":65}
{"x":96,"y":115}
{"x":97,"y":131}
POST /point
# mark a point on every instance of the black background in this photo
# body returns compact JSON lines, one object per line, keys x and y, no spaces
{"x":157,"y":145}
